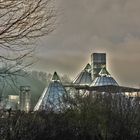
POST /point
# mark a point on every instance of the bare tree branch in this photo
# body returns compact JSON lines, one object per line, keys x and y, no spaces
{"x":24,"y":20}
{"x":21,"y":23}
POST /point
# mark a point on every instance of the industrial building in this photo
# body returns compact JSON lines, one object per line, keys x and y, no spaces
{"x":13,"y":102}
{"x":93,"y":78}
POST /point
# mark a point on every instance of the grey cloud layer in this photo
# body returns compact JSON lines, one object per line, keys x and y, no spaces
{"x":111,"y":26}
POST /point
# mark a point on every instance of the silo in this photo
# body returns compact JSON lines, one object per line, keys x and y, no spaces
{"x":25,"y":98}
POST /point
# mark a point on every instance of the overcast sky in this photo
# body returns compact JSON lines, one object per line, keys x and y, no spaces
{"x":87,"y":26}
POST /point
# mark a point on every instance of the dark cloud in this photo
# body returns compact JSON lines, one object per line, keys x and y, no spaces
{"x":86,"y":26}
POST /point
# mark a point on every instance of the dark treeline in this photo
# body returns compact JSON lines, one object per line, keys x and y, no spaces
{"x":102,"y":117}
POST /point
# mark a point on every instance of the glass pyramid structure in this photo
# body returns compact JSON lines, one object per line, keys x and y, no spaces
{"x":52,"y":97}
{"x":84,"y":78}
{"x":104,"y":79}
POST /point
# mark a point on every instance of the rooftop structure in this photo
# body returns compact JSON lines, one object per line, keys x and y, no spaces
{"x":84,"y":78}
{"x":94,"y":77}
{"x":98,"y":61}
{"x":104,"y":79}
{"x":52,"y":97}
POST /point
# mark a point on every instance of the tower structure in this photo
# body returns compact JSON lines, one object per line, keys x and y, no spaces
{"x":25,"y":98}
{"x":98,"y":61}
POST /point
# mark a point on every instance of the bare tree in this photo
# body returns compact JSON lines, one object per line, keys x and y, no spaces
{"x":21,"y":22}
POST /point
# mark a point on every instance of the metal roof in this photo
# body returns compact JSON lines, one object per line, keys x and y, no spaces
{"x":113,"y":89}
{"x":52,"y":96}
{"x":106,"y":88}
{"x":104,"y":79}
{"x":84,"y":78}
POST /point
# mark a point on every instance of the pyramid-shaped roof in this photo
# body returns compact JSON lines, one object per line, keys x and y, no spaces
{"x":104,"y":72}
{"x":52,"y":96}
{"x":84,"y":78}
{"x":104,"y":79}
{"x":88,"y":67}
{"x":55,"y":77}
